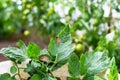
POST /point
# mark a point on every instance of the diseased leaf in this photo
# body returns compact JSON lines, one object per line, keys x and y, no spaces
{"x":113,"y":74}
{"x":73,"y":66}
{"x":13,"y":69}
{"x":93,"y":63}
{"x":33,"y":51}
{"x":14,"y":54}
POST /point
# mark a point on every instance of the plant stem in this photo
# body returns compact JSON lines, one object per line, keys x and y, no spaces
{"x":18,"y":71}
{"x":21,"y":68}
{"x":15,"y":75}
{"x":110,"y":20}
{"x":52,"y":66}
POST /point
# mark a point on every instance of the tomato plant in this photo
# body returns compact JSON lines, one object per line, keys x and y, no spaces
{"x":56,"y":56}
{"x":91,"y":29}
{"x":91,"y":64}
{"x":17,"y":16}
{"x":43,"y":62}
{"x":111,"y":43}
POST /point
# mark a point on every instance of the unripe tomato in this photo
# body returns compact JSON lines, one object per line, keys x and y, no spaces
{"x":79,"y":47}
{"x":26,"y":32}
{"x":29,"y":6}
{"x":50,"y":11}
{"x":26,"y":11}
{"x":24,"y":1}
{"x":96,"y":22}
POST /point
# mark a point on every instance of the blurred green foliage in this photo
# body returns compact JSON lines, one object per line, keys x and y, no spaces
{"x":16,"y":16}
{"x":91,"y":21}
{"x":113,"y":46}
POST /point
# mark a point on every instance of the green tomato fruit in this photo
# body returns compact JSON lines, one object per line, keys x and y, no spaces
{"x":76,"y":40}
{"x":96,"y":22}
{"x":10,"y":28}
{"x":26,"y":11}
{"x":50,"y":11}
{"x":79,"y":47}
{"x":24,"y":1}
{"x":29,"y":6}
{"x":26,"y":33}
{"x":86,"y":16}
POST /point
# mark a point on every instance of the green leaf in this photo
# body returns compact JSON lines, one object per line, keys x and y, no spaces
{"x":45,"y":56}
{"x":35,"y":64}
{"x":15,"y":54}
{"x":35,"y":77}
{"x":113,"y":75}
{"x":72,"y":9}
{"x":4,"y":76}
{"x":61,"y":52}
{"x":44,"y":52}
{"x":98,"y":78}
{"x":73,"y":66}
{"x":87,"y":77}
{"x":35,"y":67}
{"x":22,"y":46}
{"x":13,"y":69}
{"x":12,"y":78}
{"x":49,"y":78}
{"x":65,"y":35}
{"x":52,"y":47}
{"x":33,"y":51}
{"x":93,"y":63}
{"x":30,"y":69}
{"x":72,"y":78}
